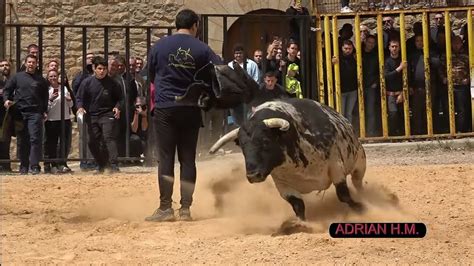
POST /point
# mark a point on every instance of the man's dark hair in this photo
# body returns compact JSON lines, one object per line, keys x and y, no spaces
{"x":186,"y":18}
{"x":290,"y":42}
{"x":270,"y":74}
{"x":347,"y":42}
{"x":120,"y":59}
{"x":99,"y":60}
{"x":371,"y":36}
{"x":238,"y":48}
{"x":28,"y":48}
{"x":31,"y":56}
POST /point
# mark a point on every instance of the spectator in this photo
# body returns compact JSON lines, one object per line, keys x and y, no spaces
{"x":173,"y":61}
{"x":29,"y":92}
{"x":130,"y":92}
{"x":5,"y":138}
{"x":139,"y":128}
{"x":461,"y":82}
{"x":371,"y":78}
{"x":416,"y":67}
{"x":394,"y":83}
{"x":345,"y":6}
{"x":84,"y":151}
{"x":348,"y":71}
{"x":296,"y":23}
{"x":389,"y":33}
{"x":99,"y":98}
{"x":440,"y":97}
{"x":33,"y":49}
{"x":269,"y":90}
{"x":437,"y":26}
{"x":138,"y":64}
{"x":53,"y":123}
{"x":292,"y":73}
{"x":364,"y":32}
{"x":411,"y":43}
{"x":345,"y":33}
{"x":258,"y":58}
{"x":239,"y":113}
{"x":137,"y":78}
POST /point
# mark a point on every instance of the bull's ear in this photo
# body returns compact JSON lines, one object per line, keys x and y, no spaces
{"x":237,"y":142}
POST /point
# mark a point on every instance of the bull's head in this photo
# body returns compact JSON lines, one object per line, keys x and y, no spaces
{"x":262,"y":144}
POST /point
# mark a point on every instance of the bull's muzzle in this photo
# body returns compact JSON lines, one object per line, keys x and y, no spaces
{"x":255,"y":177}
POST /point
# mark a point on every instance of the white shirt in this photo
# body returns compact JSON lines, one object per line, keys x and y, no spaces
{"x":54,"y":107}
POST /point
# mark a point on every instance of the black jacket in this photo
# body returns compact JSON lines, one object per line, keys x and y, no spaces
{"x":99,"y":96}
{"x":28,"y":91}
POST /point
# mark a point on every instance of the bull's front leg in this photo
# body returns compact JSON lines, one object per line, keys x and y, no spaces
{"x":298,"y":206}
{"x":292,"y":196}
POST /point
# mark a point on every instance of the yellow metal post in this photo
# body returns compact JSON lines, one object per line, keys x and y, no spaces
{"x":470,"y":30}
{"x":327,"y":47}
{"x":337,"y":74}
{"x":406,"y":103}
{"x":319,"y":59}
{"x":426,"y":56}
{"x":360,"y":81}
{"x":383,"y":92}
{"x":449,"y":71}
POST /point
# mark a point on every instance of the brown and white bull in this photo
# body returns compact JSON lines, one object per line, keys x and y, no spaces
{"x":304,"y":146}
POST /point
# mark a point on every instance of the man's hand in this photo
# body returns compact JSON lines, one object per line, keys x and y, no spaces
{"x":81,"y":111}
{"x":400,"y":98}
{"x":8,"y":103}
{"x":403,"y":65}
{"x":116,"y":113}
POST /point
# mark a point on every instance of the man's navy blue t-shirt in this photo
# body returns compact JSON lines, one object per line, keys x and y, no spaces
{"x":173,"y":61}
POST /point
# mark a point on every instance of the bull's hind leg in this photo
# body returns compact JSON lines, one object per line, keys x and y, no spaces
{"x":343,"y":195}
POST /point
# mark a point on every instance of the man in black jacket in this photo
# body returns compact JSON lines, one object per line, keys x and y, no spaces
{"x":394,"y":83}
{"x":29,"y":92}
{"x":371,"y":78}
{"x":6,"y":138}
{"x":99,"y":97}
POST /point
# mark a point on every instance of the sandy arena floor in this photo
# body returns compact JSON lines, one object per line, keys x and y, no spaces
{"x":82,"y":218}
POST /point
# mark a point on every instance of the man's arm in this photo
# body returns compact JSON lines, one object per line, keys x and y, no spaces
{"x":151,"y":65}
{"x":8,"y":90}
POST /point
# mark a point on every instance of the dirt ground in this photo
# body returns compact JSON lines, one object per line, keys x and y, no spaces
{"x":83,"y":218}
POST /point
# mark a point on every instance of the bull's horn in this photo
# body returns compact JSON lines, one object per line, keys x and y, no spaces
{"x":222,"y":141}
{"x":280,"y":123}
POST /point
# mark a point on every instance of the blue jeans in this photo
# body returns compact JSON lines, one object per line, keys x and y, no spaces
{"x":31,"y":140}
{"x":349,"y":100}
{"x":395,"y":116}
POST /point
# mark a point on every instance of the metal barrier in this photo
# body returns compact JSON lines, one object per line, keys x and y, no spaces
{"x":329,"y":80}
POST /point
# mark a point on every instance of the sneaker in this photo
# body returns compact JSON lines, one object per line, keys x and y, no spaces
{"x":396,"y":7}
{"x":387,"y":8}
{"x":65,"y":169}
{"x":47,"y":168}
{"x":185,"y":214}
{"x":98,"y":170}
{"x":35,"y":170}
{"x":346,"y":9}
{"x":23,"y":170}
{"x":161,"y":216}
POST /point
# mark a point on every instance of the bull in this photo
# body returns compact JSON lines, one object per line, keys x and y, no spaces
{"x":304,"y":146}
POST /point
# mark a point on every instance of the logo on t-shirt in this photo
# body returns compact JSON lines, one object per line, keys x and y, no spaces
{"x":182,"y":58}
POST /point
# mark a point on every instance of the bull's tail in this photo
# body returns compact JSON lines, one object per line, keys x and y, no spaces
{"x":359,"y":170}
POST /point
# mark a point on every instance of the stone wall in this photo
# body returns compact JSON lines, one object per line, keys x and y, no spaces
{"x":158,"y":13}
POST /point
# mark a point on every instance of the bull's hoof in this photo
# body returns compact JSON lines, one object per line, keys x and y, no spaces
{"x":293,"y":226}
{"x":358,"y":207}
